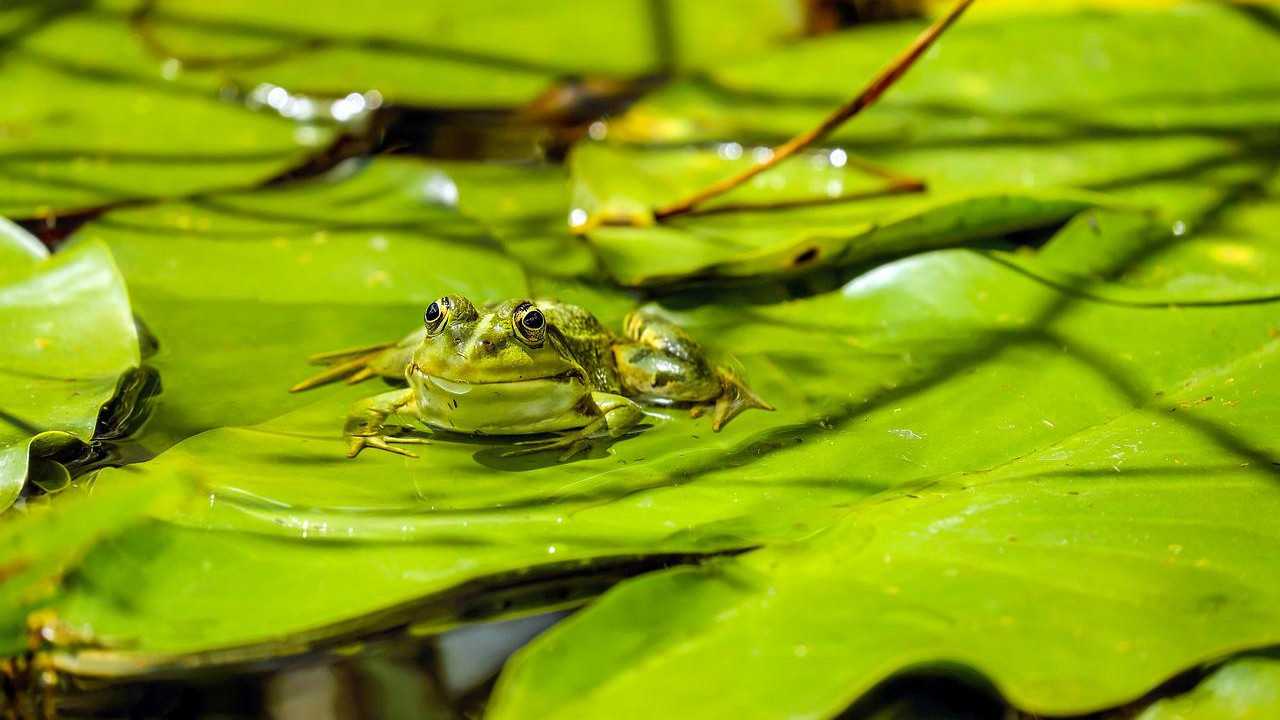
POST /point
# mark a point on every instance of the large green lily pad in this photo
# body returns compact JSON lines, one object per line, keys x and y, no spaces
{"x":885,"y":371}
{"x":69,"y":336}
{"x":90,"y":118}
{"x":1150,"y":512}
{"x":1110,"y":103}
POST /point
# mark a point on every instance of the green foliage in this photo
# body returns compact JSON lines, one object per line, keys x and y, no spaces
{"x":69,"y":337}
{"x":1034,"y":444}
{"x":1001,"y":119}
{"x":479,"y":53}
{"x":89,"y":118}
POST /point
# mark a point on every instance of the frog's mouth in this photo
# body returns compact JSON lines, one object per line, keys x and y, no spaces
{"x":462,"y":387}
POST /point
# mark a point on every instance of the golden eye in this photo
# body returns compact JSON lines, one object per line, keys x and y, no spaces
{"x":436,"y":316}
{"x":530,"y":324}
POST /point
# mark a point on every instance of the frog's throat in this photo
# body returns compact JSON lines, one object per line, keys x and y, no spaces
{"x":462,"y":387}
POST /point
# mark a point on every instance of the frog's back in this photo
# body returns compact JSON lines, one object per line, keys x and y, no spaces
{"x":588,"y":341}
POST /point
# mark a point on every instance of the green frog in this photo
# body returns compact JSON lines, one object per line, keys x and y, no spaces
{"x":521,"y":367}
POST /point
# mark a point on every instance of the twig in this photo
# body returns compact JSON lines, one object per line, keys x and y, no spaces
{"x":872,"y":92}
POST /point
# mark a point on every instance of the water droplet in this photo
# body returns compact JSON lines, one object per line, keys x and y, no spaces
{"x":577,"y":218}
{"x":1179,"y":229}
{"x":762,"y":154}
{"x":379,"y":243}
{"x":440,"y":189}
{"x":835,"y":187}
{"x":838,"y":157}
{"x":308,"y":135}
{"x":597,"y":130}
{"x":170,"y":69}
{"x":348,"y":108}
{"x":276,"y":96}
{"x":729,"y":150}
{"x":551,"y":549}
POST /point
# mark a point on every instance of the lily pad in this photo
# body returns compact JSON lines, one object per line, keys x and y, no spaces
{"x":491,"y":53}
{"x":318,"y":546}
{"x":69,"y":337}
{"x":91,"y":119}
{"x":1149,"y":513}
{"x":1146,"y":124}
{"x":47,"y":542}
{"x":793,"y":227}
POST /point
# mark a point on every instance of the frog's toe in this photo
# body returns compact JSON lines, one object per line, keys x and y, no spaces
{"x":382,"y":442}
{"x":735,"y":398}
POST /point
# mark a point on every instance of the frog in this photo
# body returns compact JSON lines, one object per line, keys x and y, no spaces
{"x":530,"y":367}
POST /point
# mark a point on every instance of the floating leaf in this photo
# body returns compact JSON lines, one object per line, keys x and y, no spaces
{"x":884,"y":372}
{"x":90,"y":119}
{"x":46,"y":543}
{"x":1120,"y":523}
{"x":466,"y":54}
{"x":69,"y":336}
{"x":1107,"y":103}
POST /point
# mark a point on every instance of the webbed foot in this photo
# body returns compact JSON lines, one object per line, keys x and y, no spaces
{"x":352,"y":365}
{"x":618,"y":416}
{"x":356,"y":443}
{"x":735,"y":398}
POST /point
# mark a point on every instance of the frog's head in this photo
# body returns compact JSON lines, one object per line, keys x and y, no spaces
{"x":507,"y":342}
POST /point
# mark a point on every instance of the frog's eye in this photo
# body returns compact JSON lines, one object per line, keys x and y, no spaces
{"x":530,"y":324}
{"x":436,"y":317}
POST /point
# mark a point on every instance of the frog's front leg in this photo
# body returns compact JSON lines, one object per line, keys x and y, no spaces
{"x":617,"y":416}
{"x":365,"y":426}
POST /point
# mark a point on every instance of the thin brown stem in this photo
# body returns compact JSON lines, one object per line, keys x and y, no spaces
{"x":872,"y":92}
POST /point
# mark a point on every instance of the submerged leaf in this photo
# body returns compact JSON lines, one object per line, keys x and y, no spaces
{"x":1244,"y":689}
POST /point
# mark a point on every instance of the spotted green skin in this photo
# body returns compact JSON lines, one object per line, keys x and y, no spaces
{"x":480,"y":371}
